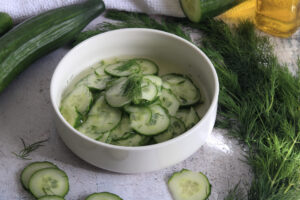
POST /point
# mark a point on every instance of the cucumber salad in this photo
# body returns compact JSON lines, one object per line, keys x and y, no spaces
{"x":127,"y":103}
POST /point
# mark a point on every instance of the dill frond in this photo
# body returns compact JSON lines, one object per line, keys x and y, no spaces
{"x":27,"y":149}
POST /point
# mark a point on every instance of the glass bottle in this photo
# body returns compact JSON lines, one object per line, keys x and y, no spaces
{"x":278,"y":17}
{"x":242,"y":11}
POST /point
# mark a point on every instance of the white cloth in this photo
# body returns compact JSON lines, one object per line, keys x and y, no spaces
{"x":22,"y":9}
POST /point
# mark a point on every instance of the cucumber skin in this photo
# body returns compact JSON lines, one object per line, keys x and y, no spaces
{"x":41,"y":34}
{"x":183,"y":170}
{"x":6,"y":22}
{"x":212,"y":8}
{"x":108,"y":193}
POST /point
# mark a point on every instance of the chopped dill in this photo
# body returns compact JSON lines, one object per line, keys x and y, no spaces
{"x":27,"y":149}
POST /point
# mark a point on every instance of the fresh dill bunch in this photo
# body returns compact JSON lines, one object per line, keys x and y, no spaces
{"x":27,"y":149}
{"x":258,"y":99}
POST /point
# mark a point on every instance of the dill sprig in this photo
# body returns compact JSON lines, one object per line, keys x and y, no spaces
{"x":258,"y":101}
{"x":27,"y":149}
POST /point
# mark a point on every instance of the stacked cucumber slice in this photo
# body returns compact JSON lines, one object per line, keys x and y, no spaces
{"x":45,"y":181}
{"x":126,"y":103}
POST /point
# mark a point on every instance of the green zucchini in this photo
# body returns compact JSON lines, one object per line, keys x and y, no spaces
{"x":198,"y":10}
{"x":41,"y":34}
{"x":6,"y":23}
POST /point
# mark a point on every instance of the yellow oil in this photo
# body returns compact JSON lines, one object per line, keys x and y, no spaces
{"x":278,"y":17}
{"x":243,"y":11}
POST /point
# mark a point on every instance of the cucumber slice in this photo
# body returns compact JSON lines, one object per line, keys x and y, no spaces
{"x":166,"y":85}
{"x":148,"y":92}
{"x":104,"y":137}
{"x":189,"y":185}
{"x":157,"y":122}
{"x":99,"y":68}
{"x":155,"y":79}
{"x":189,"y":116}
{"x":103,"y":196}
{"x":184,"y":89}
{"x":49,"y":181}
{"x":176,"y":128}
{"x":95,"y":81}
{"x":117,"y":93}
{"x":169,"y":101}
{"x":51,"y":197}
{"x":133,"y":139}
{"x":147,"y":66}
{"x":101,"y":118}
{"x":197,"y":10}
{"x":31,"y":169}
{"x":76,"y":104}
{"x":120,"y":132}
{"x":123,"y":68}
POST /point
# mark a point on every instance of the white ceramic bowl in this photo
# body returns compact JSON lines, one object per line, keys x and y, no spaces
{"x":173,"y":54}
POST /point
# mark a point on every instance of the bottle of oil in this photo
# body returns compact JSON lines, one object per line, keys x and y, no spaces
{"x":278,"y":17}
{"x":242,"y":11}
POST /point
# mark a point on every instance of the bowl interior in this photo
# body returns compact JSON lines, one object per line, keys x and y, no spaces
{"x":171,"y":53}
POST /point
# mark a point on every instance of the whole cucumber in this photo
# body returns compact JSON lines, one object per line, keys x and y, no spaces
{"x":5,"y":23}
{"x":41,"y":34}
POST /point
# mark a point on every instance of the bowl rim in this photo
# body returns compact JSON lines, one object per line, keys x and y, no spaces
{"x":137,"y":148}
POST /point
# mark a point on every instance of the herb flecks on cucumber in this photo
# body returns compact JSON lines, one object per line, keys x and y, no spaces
{"x":125,"y":103}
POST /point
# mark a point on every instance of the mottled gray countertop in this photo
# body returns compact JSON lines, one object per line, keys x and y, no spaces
{"x":26,"y":112}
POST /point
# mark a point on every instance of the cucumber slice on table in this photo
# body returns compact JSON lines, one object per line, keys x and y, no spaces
{"x":133,"y":139}
{"x":76,"y":104}
{"x":189,"y":185}
{"x":51,"y":197}
{"x":95,"y":81}
{"x":147,"y":66}
{"x":103,"y":196}
{"x":176,"y":128}
{"x":123,"y":68}
{"x":31,"y":169}
{"x":49,"y":181}
{"x":197,"y":10}
{"x":150,"y":123}
{"x":184,"y":89}
{"x":169,"y":101}
{"x":117,"y":94}
{"x":100,"y":119}
{"x":189,"y":116}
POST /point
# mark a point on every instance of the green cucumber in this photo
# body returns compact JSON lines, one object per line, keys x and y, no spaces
{"x":150,"y":124}
{"x":51,"y":197}
{"x":103,"y":196}
{"x":183,"y":88}
{"x":95,"y":81}
{"x":123,"y":68}
{"x":120,"y":132}
{"x":100,"y":119}
{"x":176,"y":128}
{"x":133,"y":139}
{"x":76,"y":104}
{"x":147,"y":67}
{"x":40,"y":35}
{"x":31,"y":169}
{"x":189,"y":185}
{"x":147,"y":94}
{"x":198,"y":10}
{"x":169,"y":101}
{"x":49,"y":181}
{"x":189,"y":116}
{"x":6,"y":23}
{"x":117,"y":93}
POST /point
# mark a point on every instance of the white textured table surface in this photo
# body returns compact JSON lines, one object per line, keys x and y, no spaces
{"x":26,"y":112}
